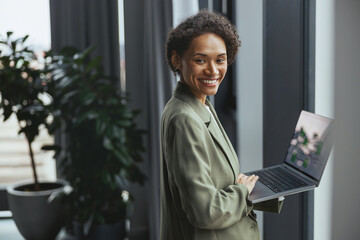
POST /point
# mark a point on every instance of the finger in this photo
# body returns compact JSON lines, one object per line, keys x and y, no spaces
{"x":242,"y":178}
{"x":252,"y":177}
{"x":238,"y":179}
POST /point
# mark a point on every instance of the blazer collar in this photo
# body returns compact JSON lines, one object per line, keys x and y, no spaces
{"x":217,"y":132}
{"x":183,"y":92}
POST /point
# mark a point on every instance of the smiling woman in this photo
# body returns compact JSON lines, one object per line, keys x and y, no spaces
{"x":203,"y":194}
{"x":203,"y":65}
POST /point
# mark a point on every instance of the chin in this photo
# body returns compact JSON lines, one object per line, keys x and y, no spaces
{"x":212,"y":93}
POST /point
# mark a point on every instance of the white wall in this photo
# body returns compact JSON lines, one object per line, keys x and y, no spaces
{"x":337,"y":94}
{"x":249,"y":64}
{"x":183,"y":9}
{"x":346,"y":195}
{"x":324,"y":105}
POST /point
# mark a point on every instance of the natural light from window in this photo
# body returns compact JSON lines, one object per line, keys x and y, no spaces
{"x":122,"y":45}
{"x":31,"y":18}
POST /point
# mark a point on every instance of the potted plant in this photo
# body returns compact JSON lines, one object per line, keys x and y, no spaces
{"x":22,"y":85}
{"x":102,"y":142}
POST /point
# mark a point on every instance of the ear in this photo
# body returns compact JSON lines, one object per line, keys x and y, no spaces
{"x":175,"y":59}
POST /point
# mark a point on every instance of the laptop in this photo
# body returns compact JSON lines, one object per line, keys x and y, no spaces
{"x":304,"y":163}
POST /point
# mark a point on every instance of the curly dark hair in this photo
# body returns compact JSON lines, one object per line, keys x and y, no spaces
{"x":179,"y":38}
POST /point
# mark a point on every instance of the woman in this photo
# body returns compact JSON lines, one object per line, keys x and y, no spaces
{"x":203,"y":196}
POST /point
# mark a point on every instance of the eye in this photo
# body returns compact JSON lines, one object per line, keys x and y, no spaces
{"x":220,"y":60}
{"x":199,"y":60}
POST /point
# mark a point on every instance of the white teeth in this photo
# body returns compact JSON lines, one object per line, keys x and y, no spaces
{"x":209,"y":81}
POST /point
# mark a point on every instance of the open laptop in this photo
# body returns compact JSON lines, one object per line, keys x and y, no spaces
{"x":304,"y":163}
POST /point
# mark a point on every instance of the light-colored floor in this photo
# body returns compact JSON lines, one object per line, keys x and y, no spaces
{"x":8,"y":231}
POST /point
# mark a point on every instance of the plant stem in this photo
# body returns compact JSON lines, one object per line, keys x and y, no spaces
{"x":37,"y":186}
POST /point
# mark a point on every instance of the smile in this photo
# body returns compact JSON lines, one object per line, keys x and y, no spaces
{"x":208,"y":82}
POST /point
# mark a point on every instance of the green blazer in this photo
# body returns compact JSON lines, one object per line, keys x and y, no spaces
{"x":199,"y":167}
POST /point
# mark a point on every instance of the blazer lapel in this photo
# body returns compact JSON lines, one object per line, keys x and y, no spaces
{"x":219,"y":139}
{"x":228,"y":142}
{"x":218,"y":134}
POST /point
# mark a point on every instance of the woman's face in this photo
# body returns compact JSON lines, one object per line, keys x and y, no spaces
{"x":203,"y":65}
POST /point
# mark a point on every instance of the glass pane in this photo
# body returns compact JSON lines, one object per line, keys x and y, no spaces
{"x":122,"y":45}
{"x":33,"y":18}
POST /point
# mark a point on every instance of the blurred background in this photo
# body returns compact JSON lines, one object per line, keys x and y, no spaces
{"x":295,"y":55}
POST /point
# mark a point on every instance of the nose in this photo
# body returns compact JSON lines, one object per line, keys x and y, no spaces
{"x":212,"y":69}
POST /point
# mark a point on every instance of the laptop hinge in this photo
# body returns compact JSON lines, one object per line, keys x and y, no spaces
{"x":301,"y":174}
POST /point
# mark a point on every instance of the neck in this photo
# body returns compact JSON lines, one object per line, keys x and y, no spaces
{"x":199,"y":96}
{"x":201,"y":99}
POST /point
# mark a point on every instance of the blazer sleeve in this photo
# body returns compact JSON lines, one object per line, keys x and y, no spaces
{"x":188,"y":161}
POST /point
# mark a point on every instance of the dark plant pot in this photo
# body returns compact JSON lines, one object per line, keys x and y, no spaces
{"x":35,"y":218}
{"x":114,"y":231}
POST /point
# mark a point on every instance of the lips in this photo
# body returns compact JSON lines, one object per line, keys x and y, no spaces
{"x":209,"y":82}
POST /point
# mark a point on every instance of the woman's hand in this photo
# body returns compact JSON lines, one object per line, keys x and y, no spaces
{"x":248,"y":181}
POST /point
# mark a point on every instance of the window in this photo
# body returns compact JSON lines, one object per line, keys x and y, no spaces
{"x":32,"y":18}
{"x":122,"y":45}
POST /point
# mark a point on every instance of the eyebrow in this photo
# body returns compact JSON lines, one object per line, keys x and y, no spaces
{"x":204,"y":55}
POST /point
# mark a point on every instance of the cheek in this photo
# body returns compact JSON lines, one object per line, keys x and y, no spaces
{"x":192,"y":71}
{"x":186,"y":69}
{"x":223,"y":71}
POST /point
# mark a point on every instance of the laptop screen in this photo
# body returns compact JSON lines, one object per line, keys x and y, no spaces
{"x":310,"y":145}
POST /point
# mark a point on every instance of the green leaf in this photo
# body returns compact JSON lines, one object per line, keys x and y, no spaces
{"x":25,"y":38}
{"x":66,"y":81}
{"x":51,"y":147}
{"x":100,"y":127}
{"x":7,"y":113}
{"x":88,"y":224}
{"x":119,"y":133}
{"x":59,"y":74}
{"x":124,"y":123}
{"x":89,"y":98}
{"x":78,"y":60}
{"x":126,"y":158}
{"x":67,"y":97}
{"x":94,"y":63}
{"x":92,"y":114}
{"x":108,"y":144}
{"x":87,"y":51}
{"x":68,"y":51}
{"x":13,"y":46}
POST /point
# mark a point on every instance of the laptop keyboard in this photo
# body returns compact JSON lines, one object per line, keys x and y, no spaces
{"x":278,"y":179}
